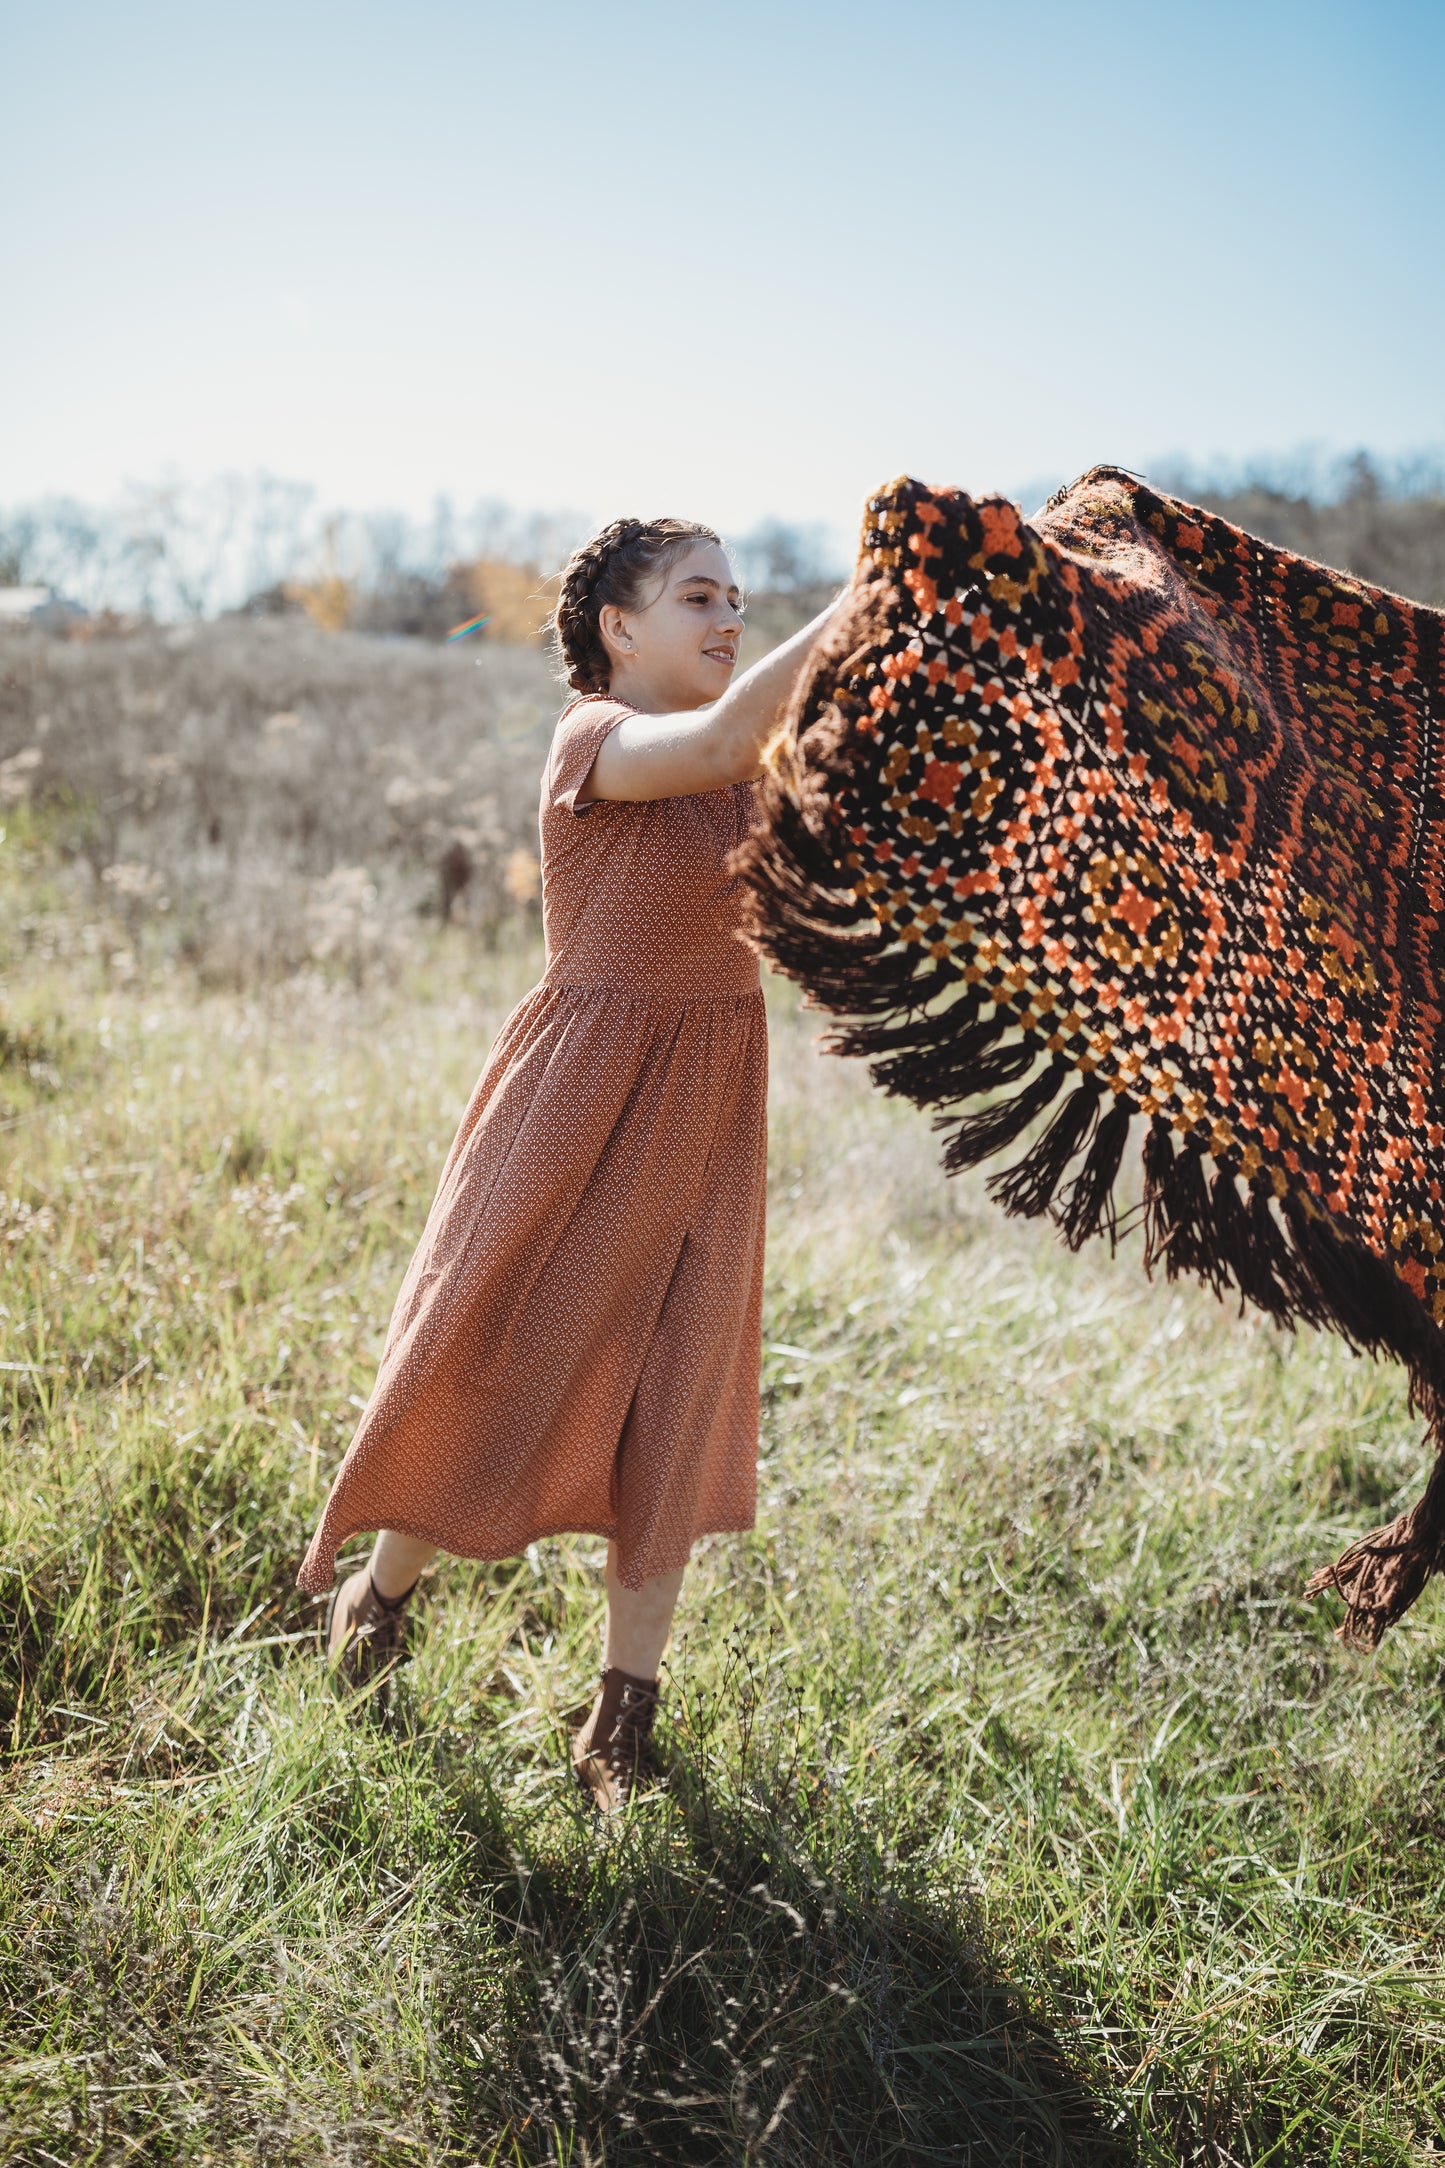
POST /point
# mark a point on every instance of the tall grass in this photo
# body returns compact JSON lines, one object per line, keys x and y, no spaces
{"x":1020,"y":1810}
{"x":250,"y":798}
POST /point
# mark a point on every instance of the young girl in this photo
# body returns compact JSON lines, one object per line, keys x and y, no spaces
{"x":576,"y":1342}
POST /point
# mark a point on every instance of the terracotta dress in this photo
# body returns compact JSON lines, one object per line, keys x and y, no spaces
{"x":576,"y":1342}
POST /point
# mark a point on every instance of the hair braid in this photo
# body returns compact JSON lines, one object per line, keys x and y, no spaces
{"x":614,"y":566}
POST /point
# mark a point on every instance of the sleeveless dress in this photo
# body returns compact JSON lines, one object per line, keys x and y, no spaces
{"x":576,"y":1343}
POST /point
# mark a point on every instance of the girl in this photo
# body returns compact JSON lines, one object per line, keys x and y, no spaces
{"x":576,"y":1342}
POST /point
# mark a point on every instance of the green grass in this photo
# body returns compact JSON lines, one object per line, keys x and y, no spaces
{"x":1022,"y":1812}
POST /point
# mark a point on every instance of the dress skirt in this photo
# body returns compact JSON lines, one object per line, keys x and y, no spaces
{"x":576,"y":1343}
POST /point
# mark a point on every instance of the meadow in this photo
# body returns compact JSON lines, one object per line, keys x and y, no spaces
{"x":1020,"y":1810}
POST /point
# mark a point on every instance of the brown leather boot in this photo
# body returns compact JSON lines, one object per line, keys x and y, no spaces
{"x":613,"y":1753}
{"x":365,"y":1633}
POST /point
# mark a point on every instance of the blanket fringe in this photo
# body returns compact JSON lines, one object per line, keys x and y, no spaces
{"x":1378,"y":1578}
{"x":1085,"y":1206}
{"x":978,"y":1136}
{"x":1027,"y":1189}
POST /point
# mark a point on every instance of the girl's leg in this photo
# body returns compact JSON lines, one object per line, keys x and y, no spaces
{"x":612,"y":1753}
{"x":638,"y":1620}
{"x":396,"y":1561}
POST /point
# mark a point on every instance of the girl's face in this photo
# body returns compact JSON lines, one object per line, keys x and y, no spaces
{"x":679,"y":650}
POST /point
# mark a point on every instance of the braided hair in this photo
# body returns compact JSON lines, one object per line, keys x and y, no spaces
{"x":616,"y":566}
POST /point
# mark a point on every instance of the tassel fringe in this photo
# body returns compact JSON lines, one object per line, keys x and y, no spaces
{"x":1027,"y":1188}
{"x":978,"y":1136}
{"x":1086,"y":1205}
{"x":1378,"y":1578}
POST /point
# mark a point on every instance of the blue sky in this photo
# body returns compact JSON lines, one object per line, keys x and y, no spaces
{"x":724,"y":261}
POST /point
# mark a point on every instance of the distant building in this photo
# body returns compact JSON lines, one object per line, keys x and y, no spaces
{"x":19,"y":604}
{"x":39,"y":606}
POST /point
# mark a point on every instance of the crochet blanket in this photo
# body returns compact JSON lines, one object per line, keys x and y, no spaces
{"x":1127,"y":817}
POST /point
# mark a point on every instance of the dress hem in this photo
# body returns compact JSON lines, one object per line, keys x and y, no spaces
{"x":313,"y":1582}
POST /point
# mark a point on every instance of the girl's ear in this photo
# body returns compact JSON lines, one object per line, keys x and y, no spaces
{"x":613,"y":627}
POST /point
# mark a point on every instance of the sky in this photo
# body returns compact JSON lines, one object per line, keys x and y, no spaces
{"x":724,"y":261}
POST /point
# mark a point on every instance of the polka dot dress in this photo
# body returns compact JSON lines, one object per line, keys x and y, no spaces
{"x":576,"y":1342}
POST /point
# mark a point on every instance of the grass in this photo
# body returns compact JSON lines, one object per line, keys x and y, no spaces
{"x":1022,"y":1812}
{"x":249,"y":797}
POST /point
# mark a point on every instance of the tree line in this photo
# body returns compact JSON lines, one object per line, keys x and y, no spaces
{"x":264,"y":545}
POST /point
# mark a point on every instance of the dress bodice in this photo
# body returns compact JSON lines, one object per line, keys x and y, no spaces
{"x":638,"y":893}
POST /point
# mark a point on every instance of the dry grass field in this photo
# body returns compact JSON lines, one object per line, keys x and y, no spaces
{"x":1021,"y":1811}
{"x":249,"y":797}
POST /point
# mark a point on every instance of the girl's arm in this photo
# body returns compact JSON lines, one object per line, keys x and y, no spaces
{"x":670,"y":756}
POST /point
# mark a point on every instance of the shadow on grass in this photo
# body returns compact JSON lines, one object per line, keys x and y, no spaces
{"x":700,"y":1985}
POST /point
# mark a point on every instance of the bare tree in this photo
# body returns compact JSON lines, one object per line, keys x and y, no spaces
{"x":779,"y":557}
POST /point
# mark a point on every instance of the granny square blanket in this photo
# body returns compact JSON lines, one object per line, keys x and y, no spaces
{"x":1124,"y":817}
